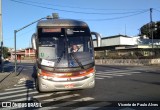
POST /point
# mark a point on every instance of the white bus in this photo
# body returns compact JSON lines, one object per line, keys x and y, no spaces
{"x":58,"y":67}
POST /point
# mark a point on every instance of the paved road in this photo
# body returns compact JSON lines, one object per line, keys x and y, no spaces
{"x":115,"y":85}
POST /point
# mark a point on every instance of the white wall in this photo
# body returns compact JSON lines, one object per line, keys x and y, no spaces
{"x":129,"y":41}
{"x":126,"y":41}
{"x":95,"y":43}
{"x":111,"y":41}
{"x":118,"y":41}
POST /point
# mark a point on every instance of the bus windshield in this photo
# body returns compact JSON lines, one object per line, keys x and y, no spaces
{"x":55,"y":45}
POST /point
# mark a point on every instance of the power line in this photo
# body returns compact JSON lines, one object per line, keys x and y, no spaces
{"x":105,"y":19}
{"x":84,"y":8}
{"x":77,"y":12}
{"x":156,"y":10}
{"x":21,"y":35}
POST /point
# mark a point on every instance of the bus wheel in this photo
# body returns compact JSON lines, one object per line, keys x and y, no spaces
{"x":37,"y":85}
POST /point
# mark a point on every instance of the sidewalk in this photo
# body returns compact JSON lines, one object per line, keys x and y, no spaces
{"x":8,"y":78}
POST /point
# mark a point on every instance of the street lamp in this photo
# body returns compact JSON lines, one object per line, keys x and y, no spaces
{"x":15,"y":32}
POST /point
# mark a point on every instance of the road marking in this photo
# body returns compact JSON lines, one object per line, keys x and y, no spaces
{"x":43,"y":108}
{"x":6,"y":97}
{"x":22,"y":80}
{"x":38,"y":96}
{"x":99,"y":78}
{"x":119,"y":71}
{"x":16,"y":88}
{"x":104,"y":76}
{"x":86,"y":108}
{"x":11,"y":92}
{"x":114,"y":73}
{"x":47,"y":108}
{"x":100,"y":75}
{"x":136,"y":72}
{"x":93,"y":106}
{"x":60,"y":98}
{"x":70,"y":102}
{"x":25,"y":69}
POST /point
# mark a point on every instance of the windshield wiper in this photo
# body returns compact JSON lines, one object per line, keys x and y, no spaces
{"x":76,"y":59}
{"x":59,"y":59}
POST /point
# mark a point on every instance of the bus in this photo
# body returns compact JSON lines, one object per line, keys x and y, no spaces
{"x":57,"y":66}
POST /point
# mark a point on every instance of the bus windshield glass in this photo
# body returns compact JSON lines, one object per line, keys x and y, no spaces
{"x":57,"y":43}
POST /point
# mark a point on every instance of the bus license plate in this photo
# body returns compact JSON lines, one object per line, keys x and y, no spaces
{"x":69,"y":85}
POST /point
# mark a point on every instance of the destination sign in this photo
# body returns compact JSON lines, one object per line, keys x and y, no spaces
{"x":48,"y":30}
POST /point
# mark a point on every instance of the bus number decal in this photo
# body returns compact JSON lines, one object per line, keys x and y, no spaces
{"x":42,"y":54}
{"x":69,"y":85}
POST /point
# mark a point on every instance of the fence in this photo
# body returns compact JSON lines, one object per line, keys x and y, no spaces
{"x":128,"y":61}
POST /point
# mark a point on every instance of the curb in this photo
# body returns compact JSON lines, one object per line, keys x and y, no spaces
{"x":9,"y":79}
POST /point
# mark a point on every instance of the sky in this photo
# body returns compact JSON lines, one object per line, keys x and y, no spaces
{"x":107,"y":17}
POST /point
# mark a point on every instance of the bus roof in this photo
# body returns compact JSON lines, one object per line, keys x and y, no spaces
{"x":61,"y":22}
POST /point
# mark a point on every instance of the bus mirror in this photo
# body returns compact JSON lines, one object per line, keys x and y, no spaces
{"x":98,"y":38}
{"x":33,"y":41}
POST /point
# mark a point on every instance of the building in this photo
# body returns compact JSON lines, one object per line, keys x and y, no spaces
{"x":123,"y":45}
{"x":24,"y":54}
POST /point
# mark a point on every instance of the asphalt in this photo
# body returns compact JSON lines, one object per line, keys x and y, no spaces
{"x":8,"y":78}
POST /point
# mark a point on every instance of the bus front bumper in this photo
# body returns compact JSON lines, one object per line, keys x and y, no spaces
{"x":49,"y":85}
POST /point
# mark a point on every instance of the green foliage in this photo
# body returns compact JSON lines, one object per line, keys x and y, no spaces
{"x":147,"y":28}
{"x":6,"y":54}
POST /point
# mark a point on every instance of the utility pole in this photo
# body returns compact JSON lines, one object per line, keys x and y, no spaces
{"x":125,"y":29}
{"x":1,"y":36}
{"x":151,"y":28}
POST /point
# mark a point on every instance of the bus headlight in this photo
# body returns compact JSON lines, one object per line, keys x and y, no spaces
{"x":89,"y":75}
{"x":45,"y":77}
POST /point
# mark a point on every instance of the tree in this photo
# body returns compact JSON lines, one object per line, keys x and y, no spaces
{"x":147,"y":28}
{"x":6,"y":54}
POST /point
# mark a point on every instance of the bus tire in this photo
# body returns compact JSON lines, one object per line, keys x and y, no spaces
{"x":37,"y":86}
